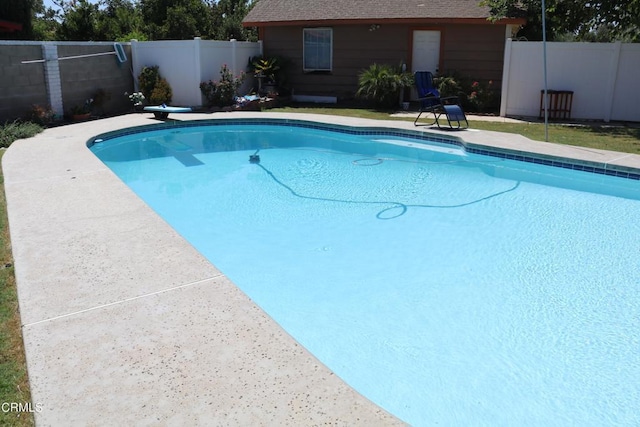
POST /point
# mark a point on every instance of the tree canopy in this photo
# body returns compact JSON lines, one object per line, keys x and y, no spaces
{"x":176,"y":19}
{"x":580,"y":20}
{"x":122,"y":20}
{"x":227,"y":20}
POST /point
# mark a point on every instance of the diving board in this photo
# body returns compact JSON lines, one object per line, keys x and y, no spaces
{"x":162,"y":111}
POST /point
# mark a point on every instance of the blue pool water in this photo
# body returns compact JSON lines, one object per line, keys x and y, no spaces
{"x":449,"y":288}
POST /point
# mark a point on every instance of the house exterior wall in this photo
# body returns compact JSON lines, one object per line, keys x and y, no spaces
{"x":472,"y":51}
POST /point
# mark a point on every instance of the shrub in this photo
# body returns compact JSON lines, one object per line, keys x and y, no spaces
{"x":153,"y":86}
{"x":382,"y":84}
{"x":448,"y":85}
{"x":147,"y":80}
{"x":82,"y":108}
{"x":161,"y":93}
{"x":100,"y":97}
{"x":12,"y":131}
{"x":476,"y":96}
{"x":483,"y":98}
{"x":222,"y":93}
{"x":42,"y":115}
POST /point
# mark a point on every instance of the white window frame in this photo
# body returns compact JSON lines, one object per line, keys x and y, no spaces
{"x":304,"y":50}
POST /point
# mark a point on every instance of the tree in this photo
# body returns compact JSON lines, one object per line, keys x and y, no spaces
{"x":227,"y":20}
{"x":582,"y":19}
{"x":45,"y":22}
{"x":20,"y":12}
{"x":79,"y":23}
{"x":119,"y":20}
{"x":176,"y":19}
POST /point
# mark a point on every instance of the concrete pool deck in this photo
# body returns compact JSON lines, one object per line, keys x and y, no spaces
{"x":124,"y":322}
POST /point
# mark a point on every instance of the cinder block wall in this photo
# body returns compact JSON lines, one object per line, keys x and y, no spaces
{"x":81,"y":78}
{"x":21,"y":85}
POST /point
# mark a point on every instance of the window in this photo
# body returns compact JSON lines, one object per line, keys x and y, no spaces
{"x":318,"y":49}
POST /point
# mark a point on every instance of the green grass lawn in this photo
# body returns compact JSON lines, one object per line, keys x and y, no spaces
{"x":14,"y":384}
{"x":616,"y":138}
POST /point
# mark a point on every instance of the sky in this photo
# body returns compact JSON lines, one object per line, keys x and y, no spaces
{"x":49,"y":3}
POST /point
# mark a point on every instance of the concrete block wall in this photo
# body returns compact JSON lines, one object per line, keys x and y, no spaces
{"x":61,"y":84}
{"x":21,"y":85}
{"x":66,"y":83}
{"x":81,"y":78}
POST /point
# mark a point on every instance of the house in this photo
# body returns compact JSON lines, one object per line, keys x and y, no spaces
{"x":330,"y":42}
{"x":8,"y":26}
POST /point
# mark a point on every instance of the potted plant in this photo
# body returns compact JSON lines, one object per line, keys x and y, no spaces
{"x":266,"y":70}
{"x":100,"y":97}
{"x":137,"y":98}
{"x":83,"y":111}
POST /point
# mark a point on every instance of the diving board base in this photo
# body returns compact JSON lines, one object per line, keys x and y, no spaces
{"x":162,"y":111}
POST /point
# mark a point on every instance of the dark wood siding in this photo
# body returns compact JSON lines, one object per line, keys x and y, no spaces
{"x":473,"y":51}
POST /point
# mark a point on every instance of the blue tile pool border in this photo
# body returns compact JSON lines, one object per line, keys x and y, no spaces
{"x":553,"y":161}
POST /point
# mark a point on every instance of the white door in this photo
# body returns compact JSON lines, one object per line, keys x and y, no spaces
{"x":426,"y":53}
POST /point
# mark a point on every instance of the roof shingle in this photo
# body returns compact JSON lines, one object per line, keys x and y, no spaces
{"x":266,"y":11}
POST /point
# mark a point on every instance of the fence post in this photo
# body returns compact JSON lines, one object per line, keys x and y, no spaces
{"x":52,"y":77}
{"x":234,"y":55}
{"x":611,"y":83}
{"x":197,"y":68}
{"x":134,"y":64}
{"x":506,"y":70}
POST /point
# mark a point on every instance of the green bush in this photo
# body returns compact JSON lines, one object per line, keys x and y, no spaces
{"x":147,"y":80}
{"x":153,"y":86}
{"x":448,"y":85}
{"x":483,"y":97}
{"x":476,"y":96}
{"x":382,"y":85}
{"x":42,"y":115}
{"x":12,"y":131}
{"x":222,"y":93}
{"x":161,"y":93}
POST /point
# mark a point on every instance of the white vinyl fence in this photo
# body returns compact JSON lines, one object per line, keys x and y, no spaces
{"x":603,"y":76}
{"x":187,"y":63}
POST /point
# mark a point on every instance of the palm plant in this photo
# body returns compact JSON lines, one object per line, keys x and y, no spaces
{"x":266,"y":68}
{"x":382,"y":84}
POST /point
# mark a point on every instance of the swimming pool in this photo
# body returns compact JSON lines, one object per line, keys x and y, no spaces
{"x":447,"y":286}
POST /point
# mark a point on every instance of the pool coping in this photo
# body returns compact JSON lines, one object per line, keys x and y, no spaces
{"x":573,"y":160}
{"x":124,"y":321}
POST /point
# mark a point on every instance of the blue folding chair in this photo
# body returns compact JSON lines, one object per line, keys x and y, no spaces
{"x":431,"y":102}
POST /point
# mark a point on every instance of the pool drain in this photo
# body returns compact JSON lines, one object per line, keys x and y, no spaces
{"x":367,"y":162}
